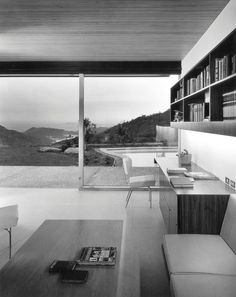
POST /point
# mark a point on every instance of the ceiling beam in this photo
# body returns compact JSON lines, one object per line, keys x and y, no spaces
{"x":139,"y":68}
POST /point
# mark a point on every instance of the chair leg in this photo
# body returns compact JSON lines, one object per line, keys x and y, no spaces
{"x":128,"y":197}
{"x":10,"y":241}
{"x":150,"y":196}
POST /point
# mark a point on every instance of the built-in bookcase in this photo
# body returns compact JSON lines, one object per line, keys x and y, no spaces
{"x":205,"y":98}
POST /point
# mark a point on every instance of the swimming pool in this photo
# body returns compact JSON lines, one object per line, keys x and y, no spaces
{"x":141,"y":156}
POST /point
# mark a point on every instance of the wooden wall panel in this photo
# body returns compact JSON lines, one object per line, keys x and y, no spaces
{"x":201,"y":214}
{"x":104,"y":30}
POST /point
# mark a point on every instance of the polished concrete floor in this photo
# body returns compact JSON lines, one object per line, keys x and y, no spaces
{"x":65,"y":176}
{"x":146,"y":225}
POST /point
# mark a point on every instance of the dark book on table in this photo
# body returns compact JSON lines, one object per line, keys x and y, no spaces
{"x":59,"y":266}
{"x":98,"y":256}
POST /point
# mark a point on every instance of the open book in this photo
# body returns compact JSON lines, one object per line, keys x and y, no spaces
{"x":200,"y":175}
{"x":96,"y":256}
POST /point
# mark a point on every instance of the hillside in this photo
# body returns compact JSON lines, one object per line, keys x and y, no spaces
{"x":141,"y":129}
{"x":49,"y":135}
{"x":15,"y":138}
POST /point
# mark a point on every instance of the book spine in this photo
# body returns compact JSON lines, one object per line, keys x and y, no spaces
{"x":233,"y":64}
{"x":216,"y":69}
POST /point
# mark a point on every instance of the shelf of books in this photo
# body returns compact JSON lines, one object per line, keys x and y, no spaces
{"x":206,"y":96}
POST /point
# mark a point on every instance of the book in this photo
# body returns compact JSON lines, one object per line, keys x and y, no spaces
{"x":200,"y":175}
{"x":74,"y":276}
{"x":196,"y":112}
{"x":181,"y":182}
{"x":229,"y":105}
{"x":58,"y":266}
{"x":176,"y":170}
{"x":98,"y":256}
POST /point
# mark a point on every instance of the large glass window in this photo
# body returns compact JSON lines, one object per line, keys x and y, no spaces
{"x":121,"y":117}
{"x":38,"y":128}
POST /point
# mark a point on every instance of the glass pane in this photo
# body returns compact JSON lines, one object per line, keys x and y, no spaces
{"x":39,"y":128}
{"x":122,"y":115}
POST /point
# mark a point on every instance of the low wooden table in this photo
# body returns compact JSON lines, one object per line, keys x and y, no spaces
{"x":26,"y":274}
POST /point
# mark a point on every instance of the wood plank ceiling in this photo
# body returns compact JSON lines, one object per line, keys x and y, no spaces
{"x":103,"y":30}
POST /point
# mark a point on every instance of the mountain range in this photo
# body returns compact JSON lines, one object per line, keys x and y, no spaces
{"x":15,"y":138}
{"x":49,"y":135}
{"x":141,"y":129}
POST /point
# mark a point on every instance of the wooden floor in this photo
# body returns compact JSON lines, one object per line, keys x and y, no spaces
{"x":146,"y":225}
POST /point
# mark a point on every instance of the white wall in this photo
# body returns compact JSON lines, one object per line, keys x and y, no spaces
{"x":215,"y":153}
{"x":220,"y":28}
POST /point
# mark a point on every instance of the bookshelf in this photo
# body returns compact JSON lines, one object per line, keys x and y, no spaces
{"x":205,"y":98}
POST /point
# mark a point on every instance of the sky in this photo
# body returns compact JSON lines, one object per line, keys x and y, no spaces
{"x":27,"y":102}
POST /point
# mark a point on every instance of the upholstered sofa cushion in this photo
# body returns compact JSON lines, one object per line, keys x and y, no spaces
{"x":193,"y":253}
{"x":203,"y":285}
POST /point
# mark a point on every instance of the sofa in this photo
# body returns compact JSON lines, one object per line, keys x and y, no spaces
{"x":203,"y":265}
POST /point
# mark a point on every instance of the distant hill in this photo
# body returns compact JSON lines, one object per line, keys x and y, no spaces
{"x":141,"y":129}
{"x":49,"y":135}
{"x":65,"y":143}
{"x":100,"y":129}
{"x":15,"y":138}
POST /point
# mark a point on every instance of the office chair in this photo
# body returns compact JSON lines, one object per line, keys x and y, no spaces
{"x":9,"y":219}
{"x":139,"y":181}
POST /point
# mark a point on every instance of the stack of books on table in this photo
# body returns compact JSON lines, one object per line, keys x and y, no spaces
{"x":176,"y":170}
{"x":181,"y":182}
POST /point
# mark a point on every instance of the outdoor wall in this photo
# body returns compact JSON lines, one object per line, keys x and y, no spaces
{"x":213,"y":152}
{"x":168,"y":134}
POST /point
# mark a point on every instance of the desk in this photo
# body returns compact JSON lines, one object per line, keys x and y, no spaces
{"x":26,"y":274}
{"x":192,"y":210}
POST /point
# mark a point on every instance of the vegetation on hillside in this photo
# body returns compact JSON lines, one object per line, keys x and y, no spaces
{"x":21,"y":148}
{"x":15,"y":138}
{"x":139,"y":130}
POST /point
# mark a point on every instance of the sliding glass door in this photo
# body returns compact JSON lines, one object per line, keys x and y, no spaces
{"x":121,"y":115}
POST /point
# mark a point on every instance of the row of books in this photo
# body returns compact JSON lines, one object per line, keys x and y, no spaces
{"x":221,"y":67}
{"x":180,"y":91}
{"x":179,"y":94}
{"x":197,"y":112}
{"x":196,"y":83}
{"x":229,"y":106}
{"x":233,"y":61}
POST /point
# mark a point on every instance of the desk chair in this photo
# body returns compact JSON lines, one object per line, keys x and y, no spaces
{"x":9,"y":219}
{"x":139,"y":181}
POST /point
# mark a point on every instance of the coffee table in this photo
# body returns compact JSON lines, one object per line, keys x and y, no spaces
{"x":26,"y":274}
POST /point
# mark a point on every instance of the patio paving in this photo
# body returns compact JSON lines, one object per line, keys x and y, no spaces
{"x":65,"y":177}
